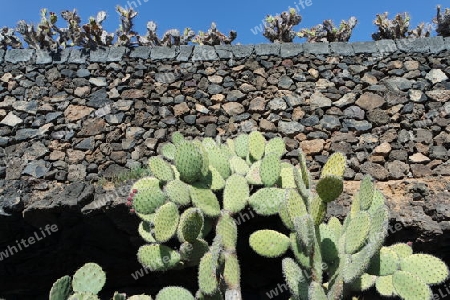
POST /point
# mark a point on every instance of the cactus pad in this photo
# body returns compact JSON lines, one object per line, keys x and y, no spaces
{"x":296,"y":281}
{"x":410,"y":287}
{"x":384,"y":286}
{"x":146,"y":182}
{"x":236,"y":193}
{"x":358,"y":231}
{"x":385,"y":262}
{"x":160,"y":168}
{"x":270,"y":169}
{"x":276,"y":146}
{"x":178,"y":192}
{"x":144,"y":230}
{"x":304,"y":227}
{"x":61,"y":289}
{"x":174,"y":292}
{"x":239,"y":166}
{"x":168,"y":151}
{"x":269,"y":243}
{"x":227,"y":229}
{"x":241,"y":145}
{"x":205,"y":199}
{"x":158,"y":257}
{"x":253,"y":176}
{"x":316,"y":291}
{"x":329,"y":188}
{"x":146,"y":201}
{"x":335,"y":165}
{"x":209,"y":143}
{"x":430,"y":269}
{"x":207,"y":277}
{"x":191,"y":253}
{"x":83,"y":296}
{"x":166,"y":222}
{"x":299,"y":251}
{"x":267,"y":201}
{"x":177,"y":138}
{"x":286,"y":179}
{"x":190,"y":226}
{"x":232,"y":271}
{"x":363,"y":283}
{"x":299,"y":182}
{"x":402,"y":250}
{"x":291,"y":207}
{"x":328,"y":243}
{"x":304,"y":172}
{"x":366,"y":192}
{"x":256,"y":145}
{"x":214,"y":180}
{"x":189,"y":161}
{"x":318,"y":210}
{"x":90,"y":278}
{"x":219,"y":161}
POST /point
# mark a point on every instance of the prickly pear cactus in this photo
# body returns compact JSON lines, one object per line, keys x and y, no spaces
{"x":197,"y":188}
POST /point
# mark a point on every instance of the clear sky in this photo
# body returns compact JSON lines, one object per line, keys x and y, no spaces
{"x":244,"y":16}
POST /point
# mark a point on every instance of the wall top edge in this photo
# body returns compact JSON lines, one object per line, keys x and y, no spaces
{"x":431,"y":45}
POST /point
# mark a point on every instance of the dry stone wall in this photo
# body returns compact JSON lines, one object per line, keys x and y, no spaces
{"x":69,"y":118}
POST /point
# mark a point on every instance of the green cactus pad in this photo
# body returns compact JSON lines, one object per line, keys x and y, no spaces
{"x":358,"y":230}
{"x":366,"y":192}
{"x":239,"y":166}
{"x":207,"y":274}
{"x":119,"y":296}
{"x":189,"y":160}
{"x":213,"y":180}
{"x":144,"y":230}
{"x":356,"y":205}
{"x":219,"y":161}
{"x":166,"y":222}
{"x":377,"y":201}
{"x":276,"y":146}
{"x":146,"y":217}
{"x":363,"y":283}
{"x":208,"y":225}
{"x":335,"y":225}
{"x":430,"y":269}
{"x":329,"y":188}
{"x":232,"y":271}
{"x":209,"y":143}
{"x":168,"y":151}
{"x":270,"y":169}
{"x":305,"y":175}
{"x":253,"y":176}
{"x":286,"y":179}
{"x":191,"y":253}
{"x":267,"y":201}
{"x":379,"y":223}
{"x":146,"y":182}
{"x":328,"y":244}
{"x":235,"y":193}
{"x":409,"y":287}
{"x":304,"y":227}
{"x":295,"y":279}
{"x":304,"y":192}
{"x":230,"y":145}
{"x":318,"y":210}
{"x":158,"y":257}
{"x":61,"y":289}
{"x":356,"y":264}
{"x":83,"y":296}
{"x":269,"y":243}
{"x":178,"y":192}
{"x":241,"y":145}
{"x":191,"y":224}
{"x":146,"y":201}
{"x":227,"y":229}
{"x":174,"y":292}
{"x":316,"y":292}
{"x":256,"y":145}
{"x":90,"y":278}
{"x":177,"y":138}
{"x":205,"y":199}
{"x":299,"y":251}
{"x":335,"y":165}
{"x":384,"y":286}
{"x":161,"y":169}
{"x":402,"y":250}
{"x":385,"y":262}
{"x":216,"y":296}
{"x":292,"y":206}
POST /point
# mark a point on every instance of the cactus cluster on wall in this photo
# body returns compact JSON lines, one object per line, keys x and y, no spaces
{"x":278,"y":28}
{"x":196,"y":189}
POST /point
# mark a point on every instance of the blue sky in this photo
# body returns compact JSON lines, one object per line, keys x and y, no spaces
{"x":244,"y":16}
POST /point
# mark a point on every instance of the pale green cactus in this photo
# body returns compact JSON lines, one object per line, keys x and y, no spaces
{"x":197,"y":188}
